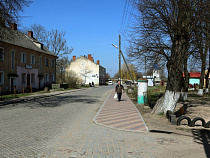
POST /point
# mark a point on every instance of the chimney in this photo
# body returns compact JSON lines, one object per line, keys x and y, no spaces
{"x":74,"y":57}
{"x":30,"y":34}
{"x":14,"y":26}
{"x":89,"y":56}
{"x":98,"y":62}
{"x":92,"y":59}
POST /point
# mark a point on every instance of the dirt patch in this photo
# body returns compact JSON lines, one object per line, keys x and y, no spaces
{"x":195,"y":108}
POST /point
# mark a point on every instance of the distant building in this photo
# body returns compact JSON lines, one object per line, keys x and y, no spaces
{"x":150,"y":80}
{"x":86,"y":70}
{"x":24,"y":61}
{"x":156,"y":75}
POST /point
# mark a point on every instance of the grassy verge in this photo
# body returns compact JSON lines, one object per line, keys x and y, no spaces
{"x":13,"y":96}
{"x":153,"y":94}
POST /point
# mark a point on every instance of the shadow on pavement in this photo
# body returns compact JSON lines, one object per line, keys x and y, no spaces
{"x":56,"y":101}
{"x":167,"y":132}
{"x":202,"y":136}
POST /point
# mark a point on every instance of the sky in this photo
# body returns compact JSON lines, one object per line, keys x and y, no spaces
{"x":91,"y":26}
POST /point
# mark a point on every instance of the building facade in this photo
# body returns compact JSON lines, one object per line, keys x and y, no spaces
{"x":25,"y":63}
{"x":86,"y":70}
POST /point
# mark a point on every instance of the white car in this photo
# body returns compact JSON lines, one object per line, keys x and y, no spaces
{"x":110,"y":83}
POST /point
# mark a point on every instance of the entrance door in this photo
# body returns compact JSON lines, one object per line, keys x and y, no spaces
{"x":12,"y":85}
{"x":28,"y":80}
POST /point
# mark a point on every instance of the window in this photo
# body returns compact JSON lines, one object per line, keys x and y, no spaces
{"x":1,"y":78}
{"x":32,"y":78}
{"x":23,"y":57}
{"x":53,"y":78}
{"x":32,"y":59}
{"x":53,"y":63}
{"x":23,"y":78}
{"x":1,"y":53}
{"x":46,"y":77}
{"x":40,"y":64}
{"x":46,"y":61}
{"x":13,"y":60}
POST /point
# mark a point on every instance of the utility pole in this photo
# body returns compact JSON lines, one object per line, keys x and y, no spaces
{"x":145,"y":65}
{"x":120,"y":57}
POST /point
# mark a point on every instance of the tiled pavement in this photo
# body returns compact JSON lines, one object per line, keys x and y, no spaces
{"x":121,"y":115}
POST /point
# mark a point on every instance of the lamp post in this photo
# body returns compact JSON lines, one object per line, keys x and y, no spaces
{"x":125,"y":63}
{"x":119,"y":56}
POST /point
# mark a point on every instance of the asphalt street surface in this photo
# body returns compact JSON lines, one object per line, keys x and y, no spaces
{"x":62,"y":126}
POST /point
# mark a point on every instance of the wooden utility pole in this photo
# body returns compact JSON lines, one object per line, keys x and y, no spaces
{"x":120,"y":57}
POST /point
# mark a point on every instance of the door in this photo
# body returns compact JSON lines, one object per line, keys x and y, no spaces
{"x":12,"y":85}
{"x":28,"y":80}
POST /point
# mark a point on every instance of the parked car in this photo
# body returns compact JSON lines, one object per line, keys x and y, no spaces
{"x":110,"y":83}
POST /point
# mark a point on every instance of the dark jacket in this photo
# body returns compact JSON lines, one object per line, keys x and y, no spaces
{"x":119,"y":88}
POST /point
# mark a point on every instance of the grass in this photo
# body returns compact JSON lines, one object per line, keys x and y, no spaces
{"x":155,"y":92}
{"x":13,"y":96}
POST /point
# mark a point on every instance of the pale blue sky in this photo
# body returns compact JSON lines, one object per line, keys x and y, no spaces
{"x":91,"y":26}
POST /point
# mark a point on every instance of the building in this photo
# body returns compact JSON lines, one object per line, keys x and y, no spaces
{"x":86,"y":70}
{"x":150,"y":80}
{"x":195,"y":78}
{"x":25,"y":62}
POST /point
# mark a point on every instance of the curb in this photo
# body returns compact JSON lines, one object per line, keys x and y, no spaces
{"x":96,"y":122}
{"x":32,"y":97}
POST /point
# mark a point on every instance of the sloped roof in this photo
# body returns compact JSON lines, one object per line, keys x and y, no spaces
{"x":194,"y":74}
{"x":17,"y":38}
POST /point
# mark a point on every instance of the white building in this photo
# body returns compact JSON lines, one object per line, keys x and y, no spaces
{"x":150,"y":80}
{"x":154,"y":79}
{"x":156,"y":75}
{"x":86,"y":70}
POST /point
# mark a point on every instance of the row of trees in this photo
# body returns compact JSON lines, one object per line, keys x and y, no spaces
{"x":172,"y":33}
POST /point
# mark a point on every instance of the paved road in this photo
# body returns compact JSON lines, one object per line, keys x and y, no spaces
{"x":62,"y":126}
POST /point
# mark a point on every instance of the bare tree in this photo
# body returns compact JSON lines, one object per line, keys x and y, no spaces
{"x":107,"y":76}
{"x":60,"y":69}
{"x":9,"y":10}
{"x":9,"y":13}
{"x":39,"y":32}
{"x":56,"y":42}
{"x":164,"y":31}
{"x":201,"y":32}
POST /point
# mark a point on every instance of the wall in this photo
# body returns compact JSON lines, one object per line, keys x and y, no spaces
{"x":21,"y":67}
{"x":86,"y":70}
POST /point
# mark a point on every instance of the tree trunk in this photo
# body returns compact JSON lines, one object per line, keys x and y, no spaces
{"x":203,"y":53}
{"x":185,"y":79}
{"x":175,"y":79}
{"x":207,"y":82}
{"x":208,"y":50}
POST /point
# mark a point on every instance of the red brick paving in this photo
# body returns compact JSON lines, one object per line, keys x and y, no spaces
{"x":121,"y":115}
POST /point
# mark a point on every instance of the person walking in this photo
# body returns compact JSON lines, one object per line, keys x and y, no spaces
{"x":118,"y":90}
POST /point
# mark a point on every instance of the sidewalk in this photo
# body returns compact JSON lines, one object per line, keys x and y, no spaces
{"x":39,"y":95}
{"x":121,"y":115}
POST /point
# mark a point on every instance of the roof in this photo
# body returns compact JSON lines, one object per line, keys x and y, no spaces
{"x":17,"y":38}
{"x":194,"y":74}
{"x":82,"y":57}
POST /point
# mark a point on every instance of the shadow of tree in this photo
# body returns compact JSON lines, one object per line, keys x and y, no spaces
{"x":60,"y":100}
{"x":202,"y":136}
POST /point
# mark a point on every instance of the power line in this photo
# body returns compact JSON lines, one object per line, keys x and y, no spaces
{"x":124,"y":10}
